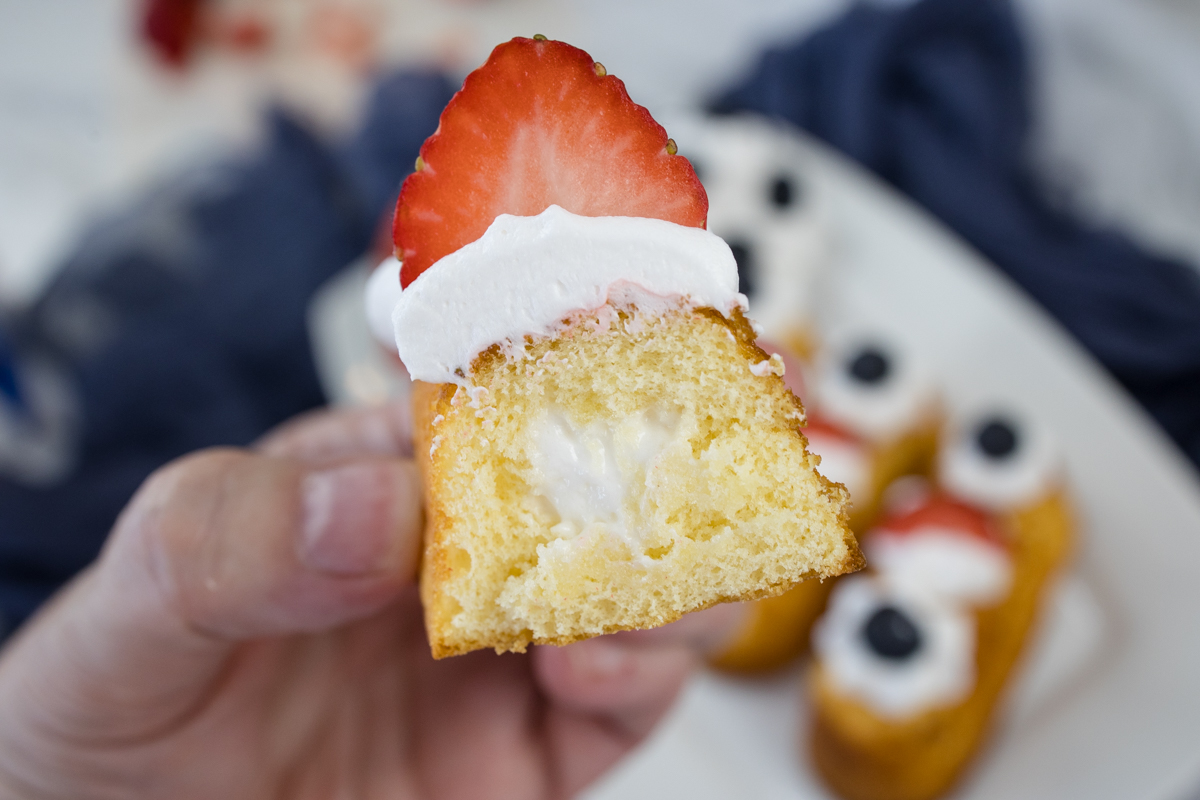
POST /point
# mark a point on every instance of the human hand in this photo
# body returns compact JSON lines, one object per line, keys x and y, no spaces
{"x":252,"y":630}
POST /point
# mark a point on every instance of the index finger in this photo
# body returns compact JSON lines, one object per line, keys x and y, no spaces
{"x":328,"y":436}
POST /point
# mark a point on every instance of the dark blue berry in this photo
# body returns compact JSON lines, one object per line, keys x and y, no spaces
{"x":891,"y":634}
{"x":997,"y":438}
{"x":783,"y":191}
{"x":869,"y":365}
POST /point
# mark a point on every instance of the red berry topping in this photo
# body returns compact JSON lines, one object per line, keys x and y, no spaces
{"x":948,"y":514}
{"x":172,"y":27}
{"x":539,"y":124}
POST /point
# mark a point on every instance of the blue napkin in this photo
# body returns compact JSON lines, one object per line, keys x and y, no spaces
{"x":934,"y":97}
{"x":180,"y":323}
{"x":10,"y":389}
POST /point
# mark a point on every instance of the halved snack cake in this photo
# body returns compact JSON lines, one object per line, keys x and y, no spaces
{"x":603,"y":445}
{"x":913,"y":657}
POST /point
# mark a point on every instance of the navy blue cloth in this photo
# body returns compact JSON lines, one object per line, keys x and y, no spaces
{"x":934,"y":97}
{"x":9,"y":388}
{"x":181,"y":322}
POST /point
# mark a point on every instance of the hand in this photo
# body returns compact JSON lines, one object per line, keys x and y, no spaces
{"x":252,"y":630}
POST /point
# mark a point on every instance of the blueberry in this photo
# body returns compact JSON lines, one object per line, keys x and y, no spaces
{"x":747,"y":269}
{"x":869,"y":365}
{"x":783,"y":191}
{"x":891,"y":634}
{"x":997,"y":438}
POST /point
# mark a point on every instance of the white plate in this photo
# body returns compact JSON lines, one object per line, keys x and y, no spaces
{"x":1108,"y":704}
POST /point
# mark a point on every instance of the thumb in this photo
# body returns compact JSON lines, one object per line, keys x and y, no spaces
{"x":216,"y":548}
{"x":239,"y":546}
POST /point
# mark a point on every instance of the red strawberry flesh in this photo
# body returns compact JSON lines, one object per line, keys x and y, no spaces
{"x":539,"y":124}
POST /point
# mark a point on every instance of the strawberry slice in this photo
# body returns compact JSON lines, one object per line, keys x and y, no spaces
{"x":539,"y":124}
{"x":944,"y":513}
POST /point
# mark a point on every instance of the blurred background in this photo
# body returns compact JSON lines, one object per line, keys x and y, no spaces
{"x":180,"y":178}
{"x":94,"y":112}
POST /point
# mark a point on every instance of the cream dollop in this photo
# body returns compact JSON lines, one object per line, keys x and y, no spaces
{"x":935,"y":577}
{"x":941,"y":671}
{"x":527,"y":274}
{"x":1000,"y":483}
{"x":941,"y":563}
{"x":381,"y":295}
{"x":876,"y":410}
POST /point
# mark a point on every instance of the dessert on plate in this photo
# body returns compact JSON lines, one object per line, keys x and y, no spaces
{"x":762,"y":203}
{"x":602,"y":443}
{"x":912,"y":656}
{"x":875,"y":419}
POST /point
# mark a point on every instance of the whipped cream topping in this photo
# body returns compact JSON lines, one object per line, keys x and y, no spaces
{"x":941,"y":671}
{"x":595,"y":477}
{"x":878,"y":409}
{"x":527,"y":274}
{"x":999,"y":482}
{"x":381,"y":295}
{"x":941,"y":563}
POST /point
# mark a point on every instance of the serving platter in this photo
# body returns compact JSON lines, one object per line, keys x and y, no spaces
{"x":1105,"y":703}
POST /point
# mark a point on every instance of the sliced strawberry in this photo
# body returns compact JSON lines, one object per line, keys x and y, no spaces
{"x":539,"y":124}
{"x":945,"y":513}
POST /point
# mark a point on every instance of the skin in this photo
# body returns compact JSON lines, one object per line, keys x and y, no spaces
{"x":252,"y":630}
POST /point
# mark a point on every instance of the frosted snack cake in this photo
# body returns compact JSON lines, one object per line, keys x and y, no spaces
{"x":912,"y":657}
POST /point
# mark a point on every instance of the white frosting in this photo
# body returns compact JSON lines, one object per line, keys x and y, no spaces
{"x":769,"y":366}
{"x":381,"y":295}
{"x":594,"y":478}
{"x":940,"y":672}
{"x":999,"y":484}
{"x":942,"y":564}
{"x":843,"y":462}
{"x":876,"y":411}
{"x":527,"y":274}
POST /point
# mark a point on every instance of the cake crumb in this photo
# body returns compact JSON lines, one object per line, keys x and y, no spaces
{"x":477,"y":395}
{"x":770,"y":366}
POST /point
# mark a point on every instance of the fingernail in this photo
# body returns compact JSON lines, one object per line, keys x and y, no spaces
{"x":347,"y":526}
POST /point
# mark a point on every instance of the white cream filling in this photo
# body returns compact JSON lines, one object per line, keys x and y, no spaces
{"x":940,"y":672}
{"x":598,"y":478}
{"x":527,"y":274}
